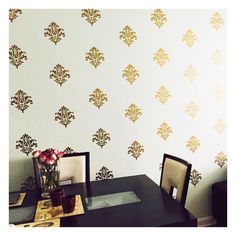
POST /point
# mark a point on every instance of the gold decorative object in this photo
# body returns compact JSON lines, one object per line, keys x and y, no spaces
{"x":54,"y":32}
{"x":217,"y":57}
{"x":44,"y":223}
{"x":195,"y":177}
{"x":21,"y":100}
{"x":218,"y":92}
{"x":130,"y":73}
{"x":64,"y":116}
{"x":69,"y":150}
{"x":161,"y":57}
{"x":164,"y":131}
{"x":104,"y":173}
{"x":98,"y":98}
{"x":26,"y":144}
{"x":14,"y":13}
{"x":136,"y":149}
{"x":45,"y":210}
{"x":220,"y":126}
{"x":189,"y":38}
{"x":162,"y":94}
{"x":221,"y":159}
{"x":16,"y":56}
{"x":193,"y":143}
{"x":216,"y":21}
{"x":133,"y":112}
{"x":192,"y":109}
{"x":159,"y":18}
{"x":191,"y":73}
{"x":127,"y":35}
{"x":94,"y":56}
{"x":101,"y":137}
{"x":91,"y":15}
{"x":59,"y":74}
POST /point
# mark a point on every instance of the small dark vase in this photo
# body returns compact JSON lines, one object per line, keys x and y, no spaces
{"x":68,"y":203}
{"x":56,"y":196}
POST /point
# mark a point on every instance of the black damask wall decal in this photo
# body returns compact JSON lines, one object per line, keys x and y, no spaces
{"x":195,"y":177}
{"x":29,"y":184}
{"x":14,"y":13}
{"x":68,"y":150}
{"x":64,"y":116}
{"x":104,"y":173}
{"x":26,"y":144}
{"x":17,"y":56}
{"x":21,"y":100}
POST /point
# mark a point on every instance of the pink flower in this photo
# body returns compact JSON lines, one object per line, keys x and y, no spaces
{"x":49,"y":161}
{"x":53,"y":156}
{"x":42,"y":157}
{"x":36,"y":153}
{"x":60,"y":154}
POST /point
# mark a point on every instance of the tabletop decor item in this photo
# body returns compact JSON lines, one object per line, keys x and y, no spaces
{"x":45,"y":210}
{"x":56,"y":196}
{"x":49,"y":171}
{"x":19,"y":201}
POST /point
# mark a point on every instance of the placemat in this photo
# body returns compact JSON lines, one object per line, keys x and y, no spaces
{"x":46,"y":223}
{"x":19,"y":201}
{"x":46,"y":211}
{"x":19,"y":215}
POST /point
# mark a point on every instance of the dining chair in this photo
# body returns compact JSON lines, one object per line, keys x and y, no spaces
{"x":74,"y":168}
{"x":175,"y":175}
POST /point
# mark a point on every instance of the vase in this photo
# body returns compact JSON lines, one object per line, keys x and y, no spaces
{"x":49,"y":178}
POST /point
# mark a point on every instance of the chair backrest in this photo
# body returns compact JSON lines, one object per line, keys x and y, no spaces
{"x":75,"y":168}
{"x":175,"y":174}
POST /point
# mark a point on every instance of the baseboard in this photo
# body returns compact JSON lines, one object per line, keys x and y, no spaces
{"x":206,"y":221}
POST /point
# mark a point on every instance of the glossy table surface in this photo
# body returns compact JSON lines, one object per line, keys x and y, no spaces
{"x":156,"y":207}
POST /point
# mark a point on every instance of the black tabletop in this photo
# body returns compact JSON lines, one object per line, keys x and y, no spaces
{"x":156,"y":207}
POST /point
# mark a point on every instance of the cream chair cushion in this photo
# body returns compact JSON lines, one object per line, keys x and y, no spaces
{"x":72,"y":169}
{"x":174,"y":174}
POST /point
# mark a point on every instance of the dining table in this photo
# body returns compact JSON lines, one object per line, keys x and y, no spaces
{"x":130,"y":201}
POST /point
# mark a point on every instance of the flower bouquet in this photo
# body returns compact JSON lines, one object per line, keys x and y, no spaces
{"x":48,"y":166}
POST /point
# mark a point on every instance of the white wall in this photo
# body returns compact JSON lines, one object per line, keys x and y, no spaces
{"x":38,"y":121}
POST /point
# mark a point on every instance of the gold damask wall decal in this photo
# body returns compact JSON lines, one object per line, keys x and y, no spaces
{"x":220,"y":126}
{"x":101,"y":137}
{"x":216,"y":21}
{"x":136,"y":149}
{"x":218,"y":92}
{"x":164,"y":131}
{"x":127,"y":35}
{"x":192,"y":109}
{"x":21,"y":100}
{"x":59,"y":74}
{"x":189,"y":38}
{"x":217,"y":57}
{"x":163,"y":95}
{"x":54,"y":32}
{"x":17,"y":56}
{"x":221,"y":159}
{"x":98,"y":98}
{"x":133,"y":112}
{"x":91,"y":15}
{"x":104,"y":173}
{"x":26,"y":144}
{"x":14,"y":13}
{"x":64,"y":116}
{"x":95,"y":57}
{"x":195,"y":177}
{"x":161,"y":57}
{"x":193,"y":144}
{"x":130,"y":73}
{"x":159,"y":18}
{"x":191,"y":73}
